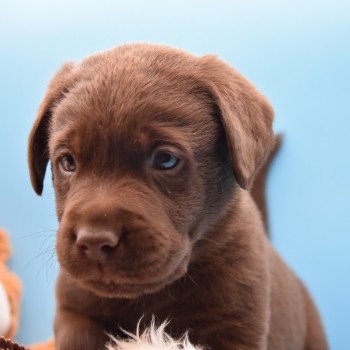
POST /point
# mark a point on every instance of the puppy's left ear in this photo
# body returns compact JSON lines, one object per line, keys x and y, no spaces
{"x":246,"y":116}
{"x":37,"y":145}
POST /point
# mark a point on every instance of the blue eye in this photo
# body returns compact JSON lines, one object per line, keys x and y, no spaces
{"x":165,"y":161}
{"x":67,"y":163}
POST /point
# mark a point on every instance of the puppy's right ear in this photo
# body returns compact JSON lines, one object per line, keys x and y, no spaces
{"x":38,"y":138}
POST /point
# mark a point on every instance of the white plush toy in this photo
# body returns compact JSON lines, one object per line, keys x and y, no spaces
{"x":153,"y":338}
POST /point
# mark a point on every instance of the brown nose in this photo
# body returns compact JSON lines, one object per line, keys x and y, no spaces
{"x":97,"y":245}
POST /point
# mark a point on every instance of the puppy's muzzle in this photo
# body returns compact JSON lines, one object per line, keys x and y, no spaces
{"x":97,"y":245}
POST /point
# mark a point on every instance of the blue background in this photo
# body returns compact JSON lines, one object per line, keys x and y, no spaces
{"x":297,"y":53}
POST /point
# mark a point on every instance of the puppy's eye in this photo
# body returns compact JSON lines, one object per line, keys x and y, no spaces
{"x":165,"y":161}
{"x":67,"y":163}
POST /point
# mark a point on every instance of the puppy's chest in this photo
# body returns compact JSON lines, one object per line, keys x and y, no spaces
{"x":126,"y":314}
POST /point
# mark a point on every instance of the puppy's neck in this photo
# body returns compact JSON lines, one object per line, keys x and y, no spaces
{"x":240,"y":222}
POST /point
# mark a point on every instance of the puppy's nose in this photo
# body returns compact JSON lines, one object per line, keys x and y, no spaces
{"x":97,"y":245}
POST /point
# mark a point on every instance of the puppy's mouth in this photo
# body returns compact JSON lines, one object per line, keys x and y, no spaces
{"x":146,"y":257}
{"x":131,"y":290}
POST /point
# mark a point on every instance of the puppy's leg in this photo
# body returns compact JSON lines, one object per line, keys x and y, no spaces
{"x":74,"y":331}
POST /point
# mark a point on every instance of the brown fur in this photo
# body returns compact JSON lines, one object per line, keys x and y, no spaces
{"x":191,"y":245}
{"x":258,"y":190}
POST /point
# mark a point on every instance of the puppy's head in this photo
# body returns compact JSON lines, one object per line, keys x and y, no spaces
{"x":147,"y":145}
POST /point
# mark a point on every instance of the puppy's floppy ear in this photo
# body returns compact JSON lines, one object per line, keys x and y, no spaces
{"x":246,"y":116}
{"x":37,"y":146}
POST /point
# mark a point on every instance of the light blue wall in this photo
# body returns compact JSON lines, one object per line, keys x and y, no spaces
{"x":297,"y":53}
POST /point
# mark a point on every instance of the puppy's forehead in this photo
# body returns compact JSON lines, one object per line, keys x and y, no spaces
{"x":121,"y":88}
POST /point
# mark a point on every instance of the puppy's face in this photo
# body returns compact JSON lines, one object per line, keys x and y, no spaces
{"x":143,"y":169}
{"x":141,"y":152}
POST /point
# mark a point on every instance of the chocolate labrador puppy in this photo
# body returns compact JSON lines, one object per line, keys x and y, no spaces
{"x":153,"y":153}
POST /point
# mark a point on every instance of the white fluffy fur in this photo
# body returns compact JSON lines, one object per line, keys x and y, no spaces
{"x":5,"y":312}
{"x":152,"y":338}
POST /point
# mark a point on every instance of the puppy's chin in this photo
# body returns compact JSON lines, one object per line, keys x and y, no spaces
{"x":132,"y":289}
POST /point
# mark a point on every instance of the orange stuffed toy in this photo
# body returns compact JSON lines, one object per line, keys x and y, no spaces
{"x":10,"y":292}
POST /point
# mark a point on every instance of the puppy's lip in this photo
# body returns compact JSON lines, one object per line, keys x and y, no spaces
{"x":113,"y":289}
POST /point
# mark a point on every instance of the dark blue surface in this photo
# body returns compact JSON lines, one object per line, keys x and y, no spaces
{"x":298,"y":55}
